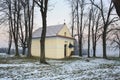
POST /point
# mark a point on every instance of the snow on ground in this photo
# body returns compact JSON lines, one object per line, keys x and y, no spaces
{"x":78,"y":69}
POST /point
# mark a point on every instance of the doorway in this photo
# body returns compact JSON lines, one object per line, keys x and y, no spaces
{"x":65,"y":50}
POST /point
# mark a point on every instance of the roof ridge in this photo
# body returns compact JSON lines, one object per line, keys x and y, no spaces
{"x":48,"y":26}
{"x":55,"y":25}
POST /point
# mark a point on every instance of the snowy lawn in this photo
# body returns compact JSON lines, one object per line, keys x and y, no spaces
{"x":67,"y":69}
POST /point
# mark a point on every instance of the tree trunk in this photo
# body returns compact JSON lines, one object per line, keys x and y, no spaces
{"x":10,"y":41}
{"x":93,"y":42}
{"x":16,"y":48}
{"x":90,"y":16}
{"x":119,"y":51}
{"x":89,"y":43}
{"x":81,"y":27}
{"x":30,"y":13}
{"x":43,"y":5}
{"x":78,"y":27}
{"x":42,"y":56}
{"x":10,"y":27}
{"x":104,"y":44}
{"x":72,"y":21}
{"x":93,"y":45}
{"x":29,"y":50}
{"x":80,"y":45}
{"x":42,"y":41}
{"x":89,"y":39}
{"x":23,"y":50}
{"x":94,"y":50}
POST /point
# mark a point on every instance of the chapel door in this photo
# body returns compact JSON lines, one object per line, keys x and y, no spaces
{"x":65,"y":50}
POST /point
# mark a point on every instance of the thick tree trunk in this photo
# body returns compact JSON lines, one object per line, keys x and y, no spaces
{"x":29,"y":50}
{"x":94,"y":50}
{"x":16,"y":49}
{"x":72,"y":9}
{"x":94,"y":44}
{"x":81,"y":34}
{"x":80,"y":45}
{"x":43,"y":4}
{"x":89,"y":40}
{"x":72,"y":29}
{"x":10,"y":42}
{"x":89,"y":44}
{"x":23,"y":50}
{"x":42,"y":56}
{"x":104,"y":44}
{"x":89,"y":26}
{"x":9,"y":47}
{"x":42,"y":41}
{"x":29,"y":44}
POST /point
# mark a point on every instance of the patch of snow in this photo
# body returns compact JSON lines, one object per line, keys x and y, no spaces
{"x":5,"y":55}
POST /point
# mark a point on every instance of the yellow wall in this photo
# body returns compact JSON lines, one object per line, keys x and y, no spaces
{"x":60,"y":47}
{"x":50,"y":47}
{"x":35,"y":48}
{"x":63,"y":30}
{"x":54,"y":46}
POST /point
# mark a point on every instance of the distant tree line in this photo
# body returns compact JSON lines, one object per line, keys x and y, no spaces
{"x":4,"y":50}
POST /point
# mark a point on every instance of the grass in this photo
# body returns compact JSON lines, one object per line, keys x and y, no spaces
{"x":5,"y":60}
{"x":114,"y":58}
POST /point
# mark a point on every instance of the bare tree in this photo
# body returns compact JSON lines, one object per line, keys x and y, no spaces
{"x":79,"y":12}
{"x":72,"y":2}
{"x":107,"y":20}
{"x":93,"y":28}
{"x":79,"y":21}
{"x":30,"y":20}
{"x":5,"y":10}
{"x":82,"y":6}
{"x":20,"y":16}
{"x":116,"y":41}
{"x":15,"y":25}
{"x":8,"y":2}
{"x":72,"y":5}
{"x":95,"y":31}
{"x":26,"y":25}
{"x":89,"y":26}
{"x":11,"y":11}
{"x":43,"y":5}
{"x":114,"y":37}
